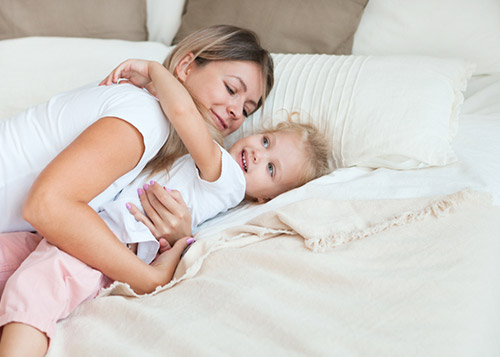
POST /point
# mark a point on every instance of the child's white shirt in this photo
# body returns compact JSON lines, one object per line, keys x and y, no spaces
{"x":204,"y":199}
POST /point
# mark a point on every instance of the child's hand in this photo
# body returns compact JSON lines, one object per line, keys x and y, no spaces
{"x":166,"y":262}
{"x":164,"y":245}
{"x":134,"y":71}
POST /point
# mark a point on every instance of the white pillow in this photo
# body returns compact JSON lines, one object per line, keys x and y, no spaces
{"x":468,"y":29}
{"x":33,"y":69}
{"x":164,"y":19}
{"x":398,"y":112}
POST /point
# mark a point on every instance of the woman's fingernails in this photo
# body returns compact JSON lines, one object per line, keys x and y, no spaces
{"x":146,"y":186}
{"x":151,"y":182}
{"x":189,"y":241}
{"x":166,"y":189}
{"x":128,"y":205}
{"x":140,"y":191}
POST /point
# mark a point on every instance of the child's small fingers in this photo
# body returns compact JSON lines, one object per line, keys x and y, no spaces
{"x":164,"y":245}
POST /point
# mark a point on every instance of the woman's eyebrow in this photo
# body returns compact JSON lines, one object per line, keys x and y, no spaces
{"x":241,"y":82}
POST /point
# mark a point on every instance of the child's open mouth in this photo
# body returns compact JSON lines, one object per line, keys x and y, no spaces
{"x":244,"y":161}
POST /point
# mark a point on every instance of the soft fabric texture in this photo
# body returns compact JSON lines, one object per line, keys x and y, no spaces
{"x":116,"y":19}
{"x":447,"y":28}
{"x":323,"y":224}
{"x":31,"y":139}
{"x":37,"y":68}
{"x":14,"y":248}
{"x":203,"y":198}
{"x":164,"y":19}
{"x":403,"y":289}
{"x":61,"y":282}
{"x":398,"y":112}
{"x":283,"y":26}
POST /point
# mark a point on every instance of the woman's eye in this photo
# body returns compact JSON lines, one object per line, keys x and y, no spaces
{"x":265,"y":142}
{"x":245,"y":113}
{"x":229,"y":89}
{"x":270,"y":167}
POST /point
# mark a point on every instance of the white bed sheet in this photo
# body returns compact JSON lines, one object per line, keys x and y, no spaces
{"x":477,"y":145}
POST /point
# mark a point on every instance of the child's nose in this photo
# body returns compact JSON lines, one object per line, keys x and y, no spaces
{"x":257,"y":155}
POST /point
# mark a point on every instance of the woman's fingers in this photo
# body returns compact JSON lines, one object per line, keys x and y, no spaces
{"x":149,"y":210}
{"x":141,"y":217}
{"x":166,"y":214}
{"x":172,"y":217}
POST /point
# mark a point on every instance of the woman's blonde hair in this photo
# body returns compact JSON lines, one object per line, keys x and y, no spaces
{"x":317,"y":149}
{"x":214,"y":43}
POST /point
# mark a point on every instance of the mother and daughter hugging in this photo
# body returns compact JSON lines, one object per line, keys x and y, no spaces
{"x":70,"y":218}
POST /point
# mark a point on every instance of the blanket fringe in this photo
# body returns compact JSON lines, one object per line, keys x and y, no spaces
{"x":438,"y":208}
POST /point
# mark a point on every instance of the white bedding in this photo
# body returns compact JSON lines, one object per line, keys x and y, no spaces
{"x":428,"y":288}
{"x":229,"y":283}
{"x":477,"y":145}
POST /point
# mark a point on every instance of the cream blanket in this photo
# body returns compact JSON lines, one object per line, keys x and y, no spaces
{"x":417,"y":277}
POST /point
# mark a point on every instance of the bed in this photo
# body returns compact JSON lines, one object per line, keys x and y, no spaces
{"x":395,"y":253}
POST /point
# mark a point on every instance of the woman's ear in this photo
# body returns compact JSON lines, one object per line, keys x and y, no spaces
{"x":184,"y":66}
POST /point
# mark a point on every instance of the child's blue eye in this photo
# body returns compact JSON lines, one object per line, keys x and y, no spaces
{"x":265,"y":142}
{"x":270,"y":167}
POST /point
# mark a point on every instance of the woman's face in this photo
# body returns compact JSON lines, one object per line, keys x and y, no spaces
{"x":230,"y":90}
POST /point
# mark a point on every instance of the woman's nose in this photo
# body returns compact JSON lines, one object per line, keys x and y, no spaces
{"x":235,"y":110}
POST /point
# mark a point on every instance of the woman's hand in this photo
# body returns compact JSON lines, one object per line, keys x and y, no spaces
{"x":134,"y":71}
{"x":167,"y":215}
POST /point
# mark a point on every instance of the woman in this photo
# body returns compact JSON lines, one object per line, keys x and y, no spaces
{"x":230,"y":76}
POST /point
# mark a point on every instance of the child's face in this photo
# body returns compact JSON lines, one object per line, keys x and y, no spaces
{"x":271,"y":163}
{"x":230,"y":90}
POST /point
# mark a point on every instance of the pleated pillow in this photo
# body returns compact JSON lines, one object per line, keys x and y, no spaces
{"x":397,"y":112}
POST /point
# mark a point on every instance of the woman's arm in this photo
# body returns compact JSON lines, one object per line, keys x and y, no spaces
{"x":180,"y":109}
{"x":57,"y":204}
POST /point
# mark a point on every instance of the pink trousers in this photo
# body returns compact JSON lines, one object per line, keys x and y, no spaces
{"x":40,"y":284}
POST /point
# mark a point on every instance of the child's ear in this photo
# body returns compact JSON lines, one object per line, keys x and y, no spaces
{"x":184,"y":66}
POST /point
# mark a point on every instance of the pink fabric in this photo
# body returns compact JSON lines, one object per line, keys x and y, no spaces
{"x":14,"y":248}
{"x":48,"y":285}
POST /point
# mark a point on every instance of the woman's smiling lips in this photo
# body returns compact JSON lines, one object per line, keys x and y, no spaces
{"x":222,"y":125}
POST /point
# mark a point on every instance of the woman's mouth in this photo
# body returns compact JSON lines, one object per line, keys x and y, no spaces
{"x":219,"y":122}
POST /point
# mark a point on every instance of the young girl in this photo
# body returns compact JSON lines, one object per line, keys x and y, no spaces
{"x":77,"y":151}
{"x":263,"y":165}
{"x":80,"y":149}
{"x":260,"y":166}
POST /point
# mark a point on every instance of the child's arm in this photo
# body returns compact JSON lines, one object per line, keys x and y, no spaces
{"x":180,"y":109}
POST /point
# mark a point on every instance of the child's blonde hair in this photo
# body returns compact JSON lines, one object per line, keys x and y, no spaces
{"x":214,"y":43}
{"x":316,"y":147}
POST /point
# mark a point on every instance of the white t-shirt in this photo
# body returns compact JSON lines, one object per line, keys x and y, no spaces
{"x":31,"y":139}
{"x":204,"y":199}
